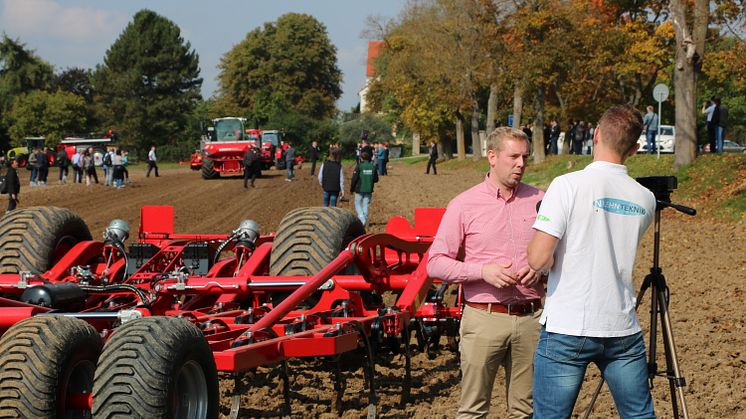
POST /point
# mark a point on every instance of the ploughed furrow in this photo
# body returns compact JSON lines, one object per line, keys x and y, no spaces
{"x":36,"y":361}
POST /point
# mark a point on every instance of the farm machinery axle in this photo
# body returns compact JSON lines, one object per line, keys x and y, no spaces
{"x":176,"y":309}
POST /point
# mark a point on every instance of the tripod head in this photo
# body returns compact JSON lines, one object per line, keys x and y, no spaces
{"x":661,"y":187}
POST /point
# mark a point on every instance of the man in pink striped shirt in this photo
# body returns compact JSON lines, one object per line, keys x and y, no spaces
{"x":481,"y":244}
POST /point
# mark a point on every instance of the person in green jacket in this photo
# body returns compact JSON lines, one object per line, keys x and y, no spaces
{"x":363,"y":178}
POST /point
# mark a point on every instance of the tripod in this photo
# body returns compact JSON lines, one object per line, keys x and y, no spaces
{"x":659,"y":310}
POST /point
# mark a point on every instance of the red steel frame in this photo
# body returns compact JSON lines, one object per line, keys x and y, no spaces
{"x":231,"y":305}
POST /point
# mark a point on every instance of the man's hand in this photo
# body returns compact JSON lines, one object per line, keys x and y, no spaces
{"x":528,"y":277}
{"x":498,"y":275}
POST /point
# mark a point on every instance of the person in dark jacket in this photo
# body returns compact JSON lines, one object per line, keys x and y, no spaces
{"x":433,"y":153}
{"x":290,"y":162}
{"x":13,"y":185}
{"x":63,"y":162}
{"x":331,"y":179}
{"x":314,"y":153}
{"x":252,"y":163}
{"x":363,"y":178}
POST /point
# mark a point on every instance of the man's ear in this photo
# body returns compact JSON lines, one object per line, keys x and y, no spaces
{"x":633,"y":150}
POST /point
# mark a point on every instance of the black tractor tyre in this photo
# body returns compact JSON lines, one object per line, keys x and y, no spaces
{"x":208,"y":170}
{"x":34,"y":239}
{"x":43,"y":360}
{"x":156,"y":367}
{"x":309,"y":238}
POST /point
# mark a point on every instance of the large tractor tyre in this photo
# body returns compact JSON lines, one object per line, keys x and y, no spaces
{"x":34,"y":239}
{"x":156,"y":367}
{"x":208,"y":170}
{"x":44,"y":361}
{"x":309,"y":238}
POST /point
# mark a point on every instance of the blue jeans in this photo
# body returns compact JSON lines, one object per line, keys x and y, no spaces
{"x":650,"y":137}
{"x":362,"y":202}
{"x":330,"y":199}
{"x":560,"y":362}
{"x":289,"y":166}
{"x":719,"y":137}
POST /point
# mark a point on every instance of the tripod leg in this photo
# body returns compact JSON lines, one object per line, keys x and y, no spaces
{"x":676,"y":380}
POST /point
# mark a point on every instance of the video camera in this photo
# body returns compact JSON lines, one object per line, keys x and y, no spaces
{"x":660,"y":186}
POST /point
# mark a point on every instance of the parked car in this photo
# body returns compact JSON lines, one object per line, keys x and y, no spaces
{"x":728,"y":147}
{"x":666,"y":141}
{"x":733,"y":147}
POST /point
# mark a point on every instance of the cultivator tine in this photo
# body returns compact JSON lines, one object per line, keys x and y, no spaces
{"x":369,"y":370}
{"x":238,"y":390}
{"x":407,"y":383}
{"x":285,"y":374}
{"x":339,"y":387}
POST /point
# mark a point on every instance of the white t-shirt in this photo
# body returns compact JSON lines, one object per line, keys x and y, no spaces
{"x":599,"y":215}
{"x":709,"y":111}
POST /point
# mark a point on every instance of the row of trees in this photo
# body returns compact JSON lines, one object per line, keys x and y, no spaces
{"x":452,"y":64}
{"x":283,"y":75}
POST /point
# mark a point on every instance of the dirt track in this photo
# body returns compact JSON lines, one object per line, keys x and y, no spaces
{"x":704,"y":263}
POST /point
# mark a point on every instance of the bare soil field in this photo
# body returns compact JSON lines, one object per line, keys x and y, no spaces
{"x":704,"y":263}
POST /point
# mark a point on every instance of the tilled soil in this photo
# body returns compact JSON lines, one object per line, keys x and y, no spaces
{"x":704,"y":263}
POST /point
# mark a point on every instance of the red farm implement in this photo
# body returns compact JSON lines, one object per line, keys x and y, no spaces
{"x":95,"y":328}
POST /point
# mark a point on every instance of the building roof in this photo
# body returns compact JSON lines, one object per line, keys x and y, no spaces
{"x":375,"y":48}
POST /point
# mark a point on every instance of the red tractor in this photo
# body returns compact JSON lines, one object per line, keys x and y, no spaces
{"x":223,"y":148}
{"x":104,"y":329}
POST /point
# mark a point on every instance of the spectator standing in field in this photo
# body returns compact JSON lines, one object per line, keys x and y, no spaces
{"x":152,"y":162}
{"x":332,"y":179}
{"x":481,"y":244}
{"x":722,"y":124}
{"x":315,"y":153}
{"x":554,"y":134}
{"x":385,"y":159}
{"x":107,"y":162}
{"x":587,"y":233}
{"x":290,"y":161}
{"x":63,"y":162}
{"x":78,"y":166}
{"x":432,"y":158}
{"x":89,"y":162}
{"x":43,"y":162}
{"x":380,"y":159}
{"x":589,"y":138}
{"x":117,"y":170}
{"x":712,"y":112}
{"x":577,"y":141}
{"x":33,"y":163}
{"x":125,"y":163}
{"x":650,"y":123}
{"x":361,"y":185}
{"x":251,"y":166}
{"x":12,"y":185}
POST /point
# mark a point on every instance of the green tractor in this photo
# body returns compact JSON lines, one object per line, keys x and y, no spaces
{"x":22,"y":153}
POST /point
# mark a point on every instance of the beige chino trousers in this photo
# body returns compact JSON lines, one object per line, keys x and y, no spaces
{"x":489,"y":340}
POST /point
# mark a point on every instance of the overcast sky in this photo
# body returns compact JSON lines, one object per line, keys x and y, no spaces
{"x":77,"y":33}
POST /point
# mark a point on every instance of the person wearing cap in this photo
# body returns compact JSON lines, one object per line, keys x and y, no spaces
{"x":481,"y":244}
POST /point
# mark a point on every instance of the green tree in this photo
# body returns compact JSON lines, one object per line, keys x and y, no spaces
{"x":285,"y":66}
{"x":21,"y":71}
{"x":47,"y":114}
{"x":149,"y":82}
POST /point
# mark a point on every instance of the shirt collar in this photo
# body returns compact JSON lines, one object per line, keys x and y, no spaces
{"x":494,"y":191}
{"x":604,"y":165}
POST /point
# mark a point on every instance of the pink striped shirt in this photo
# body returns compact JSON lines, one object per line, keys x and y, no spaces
{"x":486,"y":229}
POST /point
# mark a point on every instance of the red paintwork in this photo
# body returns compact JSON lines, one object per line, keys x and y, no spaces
{"x":231,"y":302}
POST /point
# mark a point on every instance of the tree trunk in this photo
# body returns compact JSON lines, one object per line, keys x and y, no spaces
{"x":476,"y":146}
{"x":517,"y":105}
{"x":491,"y":109}
{"x":685,"y":87}
{"x":416,"y":144}
{"x":460,"y":145}
{"x":539,"y":126}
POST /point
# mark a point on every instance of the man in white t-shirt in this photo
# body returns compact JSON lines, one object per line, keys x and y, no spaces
{"x":587,"y":232}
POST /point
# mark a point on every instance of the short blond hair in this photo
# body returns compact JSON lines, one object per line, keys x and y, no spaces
{"x":620,"y":128}
{"x":499,"y":135}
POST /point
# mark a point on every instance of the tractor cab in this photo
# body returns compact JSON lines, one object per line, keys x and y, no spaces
{"x":228,"y":129}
